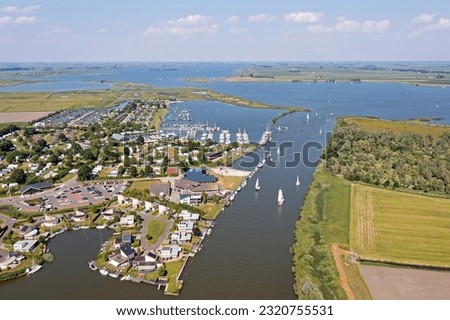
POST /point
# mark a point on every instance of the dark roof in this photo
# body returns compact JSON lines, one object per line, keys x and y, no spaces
{"x":191,"y":186}
{"x":37,"y":186}
{"x":199,"y":175}
{"x":127,"y":250}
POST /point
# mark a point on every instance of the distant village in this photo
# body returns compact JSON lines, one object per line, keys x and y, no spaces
{"x":113,"y":168}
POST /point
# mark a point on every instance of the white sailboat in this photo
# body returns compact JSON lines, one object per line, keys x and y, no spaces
{"x":278,"y":151}
{"x":297,"y":183}
{"x":307,"y":116}
{"x":257,"y":186}
{"x":280,"y":197}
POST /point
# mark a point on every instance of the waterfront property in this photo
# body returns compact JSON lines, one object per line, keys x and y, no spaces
{"x":25,"y":245}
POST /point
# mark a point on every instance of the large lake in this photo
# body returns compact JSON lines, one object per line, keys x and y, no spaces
{"x":248,"y":254}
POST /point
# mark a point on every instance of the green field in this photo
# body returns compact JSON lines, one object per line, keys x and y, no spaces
{"x":397,"y":127}
{"x":400,"y":227}
{"x":155,"y":229}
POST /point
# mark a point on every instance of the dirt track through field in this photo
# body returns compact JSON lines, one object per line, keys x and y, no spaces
{"x":337,"y":255}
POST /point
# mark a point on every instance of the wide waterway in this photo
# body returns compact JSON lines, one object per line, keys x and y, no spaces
{"x":247,"y":255}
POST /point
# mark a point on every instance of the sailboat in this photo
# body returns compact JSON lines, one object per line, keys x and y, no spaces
{"x":297,"y":183}
{"x":307,"y":116}
{"x":278,"y":151}
{"x":257,"y":186}
{"x":280,"y":197}
{"x":320,"y":131}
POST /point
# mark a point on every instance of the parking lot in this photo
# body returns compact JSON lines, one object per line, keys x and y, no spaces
{"x":72,"y":196}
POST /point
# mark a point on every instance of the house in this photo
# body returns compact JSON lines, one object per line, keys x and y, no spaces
{"x":135,"y":203}
{"x":150,"y":206}
{"x":161,"y":190}
{"x":150,"y":257}
{"x":170,"y":252}
{"x":181,"y":237}
{"x":188,"y":186}
{"x":110,"y":213}
{"x":36,"y":187}
{"x":122,"y":200}
{"x":50,"y":221}
{"x":190,"y":199}
{"x":25,"y":245}
{"x":117,"y":243}
{"x":172,"y":171}
{"x":210,"y":156}
{"x":127,"y":252}
{"x":127,"y":220}
{"x":127,"y":238}
{"x":117,"y":260}
{"x":79,"y":216}
{"x":186,"y":226}
{"x":31,"y":235}
{"x":142,"y":265}
{"x":25,"y":230}
{"x":9,"y":262}
{"x":162,"y":209}
{"x":188,"y":216}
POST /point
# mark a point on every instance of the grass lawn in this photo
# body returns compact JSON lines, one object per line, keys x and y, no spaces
{"x":158,"y":117}
{"x":19,"y":124}
{"x":211,"y":210}
{"x":143,"y":185}
{"x":173,"y":269}
{"x":398,"y":126}
{"x":400,"y":227}
{"x":229,"y":182}
{"x":68,"y":177}
{"x":155,"y":229}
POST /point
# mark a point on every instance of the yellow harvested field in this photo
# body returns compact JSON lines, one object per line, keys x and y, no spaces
{"x":7,"y":117}
{"x":398,"y":126}
{"x":400,"y":227}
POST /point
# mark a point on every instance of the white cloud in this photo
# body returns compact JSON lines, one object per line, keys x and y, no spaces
{"x":262,"y":17}
{"x":205,"y":30}
{"x":303,"y":17}
{"x":5,"y":20}
{"x":353,"y":26}
{"x":26,"y":20}
{"x":238,"y":31}
{"x":25,"y":10}
{"x":191,"y":20}
{"x":193,"y":24}
{"x":442,"y":24}
{"x":233,"y":20}
{"x":423,"y":18}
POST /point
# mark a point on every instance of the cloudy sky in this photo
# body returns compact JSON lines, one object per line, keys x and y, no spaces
{"x":231,"y":30}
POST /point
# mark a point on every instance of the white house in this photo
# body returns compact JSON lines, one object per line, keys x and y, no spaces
{"x":25,"y":245}
{"x":127,"y":221}
{"x":117,"y":260}
{"x":181,"y":237}
{"x":149,"y":206}
{"x":121,"y":199}
{"x":162,"y":209}
{"x":79,"y":216}
{"x":186,"y":226}
{"x":50,"y":221}
{"x":188,"y":216}
{"x":135,"y":202}
{"x":170,"y":252}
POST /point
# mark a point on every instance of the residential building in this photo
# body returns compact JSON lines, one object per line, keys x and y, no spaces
{"x":25,"y":245}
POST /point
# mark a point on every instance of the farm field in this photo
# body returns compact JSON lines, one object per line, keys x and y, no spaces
{"x":398,"y":283}
{"x":398,"y":227}
{"x":398,"y":127}
{"x":21,"y":117}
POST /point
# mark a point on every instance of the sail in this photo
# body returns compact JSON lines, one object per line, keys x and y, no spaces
{"x":280,"y":197}
{"x":297,"y":183}
{"x":257,"y":187}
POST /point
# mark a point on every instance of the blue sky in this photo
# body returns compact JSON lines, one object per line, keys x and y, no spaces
{"x":245,"y":30}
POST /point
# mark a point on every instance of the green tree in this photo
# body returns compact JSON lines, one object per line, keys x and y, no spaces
{"x":19,"y":176}
{"x":84,"y":172}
